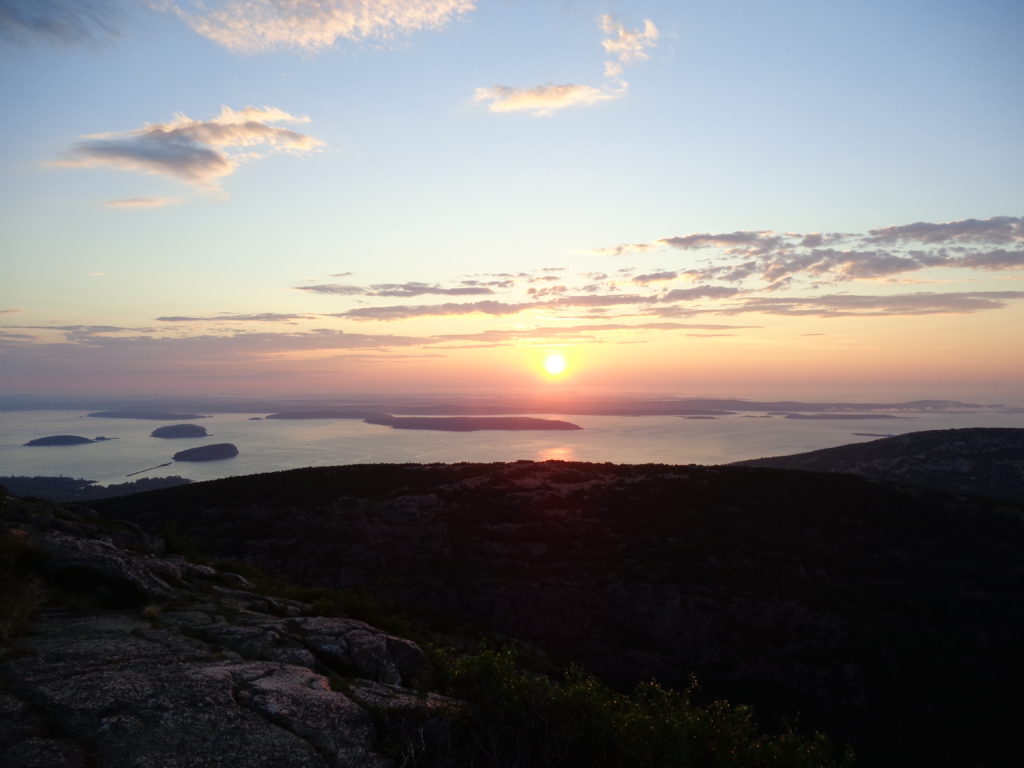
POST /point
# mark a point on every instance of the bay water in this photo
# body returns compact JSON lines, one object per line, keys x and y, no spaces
{"x":267,"y":445}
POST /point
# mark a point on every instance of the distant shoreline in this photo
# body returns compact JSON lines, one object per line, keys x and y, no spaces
{"x":471,"y":423}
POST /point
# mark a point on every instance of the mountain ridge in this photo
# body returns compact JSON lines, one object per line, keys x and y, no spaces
{"x":872,"y":610}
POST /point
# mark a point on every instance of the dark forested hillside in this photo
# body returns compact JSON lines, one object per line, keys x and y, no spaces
{"x":986,"y":461}
{"x":891,"y":618}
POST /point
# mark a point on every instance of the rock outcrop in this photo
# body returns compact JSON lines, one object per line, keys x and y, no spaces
{"x":140,"y":658}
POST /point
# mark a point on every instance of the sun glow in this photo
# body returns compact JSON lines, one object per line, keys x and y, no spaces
{"x":554,"y":363}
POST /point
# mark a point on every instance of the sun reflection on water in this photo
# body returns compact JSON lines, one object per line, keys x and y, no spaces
{"x":559,"y":453}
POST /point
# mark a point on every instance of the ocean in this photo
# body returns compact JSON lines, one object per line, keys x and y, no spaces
{"x":268,"y":445}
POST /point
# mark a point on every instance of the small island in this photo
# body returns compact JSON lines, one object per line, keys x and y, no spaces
{"x":213,"y":452}
{"x":180,"y":430}
{"x":470,"y":423}
{"x":60,"y":440}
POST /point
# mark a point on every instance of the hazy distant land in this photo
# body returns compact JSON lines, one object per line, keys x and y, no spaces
{"x":148,"y":415}
{"x":362,"y":406}
{"x":470,"y":423}
{"x":839,"y":416}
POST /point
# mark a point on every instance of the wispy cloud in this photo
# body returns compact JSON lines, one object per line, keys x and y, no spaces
{"x":252,"y":26}
{"x":143,"y":202}
{"x":399,"y":290}
{"x":560,"y":301}
{"x":779,"y":259}
{"x":59,"y":22}
{"x":332,"y":289}
{"x":198,"y":152}
{"x":623,"y":46}
{"x":857,"y":305}
{"x":260,"y":317}
{"x":999,"y":229}
{"x":405,"y":312}
{"x":655,"y":277}
{"x":577,"y":332}
{"x":425,"y":289}
{"x":541,"y":100}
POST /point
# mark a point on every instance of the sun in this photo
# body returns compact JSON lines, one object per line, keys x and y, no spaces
{"x":554,"y":363}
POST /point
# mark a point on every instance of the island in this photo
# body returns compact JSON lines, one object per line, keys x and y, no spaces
{"x":213,"y":452}
{"x":180,"y":430}
{"x":148,"y":415}
{"x":470,"y":423}
{"x":60,"y":440}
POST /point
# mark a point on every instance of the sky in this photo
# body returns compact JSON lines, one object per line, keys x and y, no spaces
{"x":795,"y":199}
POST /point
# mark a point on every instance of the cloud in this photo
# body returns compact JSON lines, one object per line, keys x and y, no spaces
{"x":403,"y":290}
{"x":999,"y":229}
{"x":626,"y":46}
{"x":252,"y":26}
{"x":402,"y":312}
{"x":579,"y":331}
{"x":423,"y":289}
{"x":541,"y":100}
{"x":654,"y":277}
{"x":60,"y":22}
{"x":731,"y":242}
{"x":490,"y":307}
{"x":262,"y":317}
{"x":700,"y":292}
{"x":994,"y":260}
{"x":623,"y":46}
{"x":196,"y":152}
{"x":850,"y":305}
{"x":333,"y":289}
{"x":143,"y":202}
{"x":782,"y":259}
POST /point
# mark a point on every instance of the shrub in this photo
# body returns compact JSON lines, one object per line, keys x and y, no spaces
{"x":521,"y":720}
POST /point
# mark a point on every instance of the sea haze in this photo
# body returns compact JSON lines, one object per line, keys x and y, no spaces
{"x":267,"y":445}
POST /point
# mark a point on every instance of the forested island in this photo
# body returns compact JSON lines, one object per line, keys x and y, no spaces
{"x":213,"y":452}
{"x":59,"y":440}
{"x":180,"y":430}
